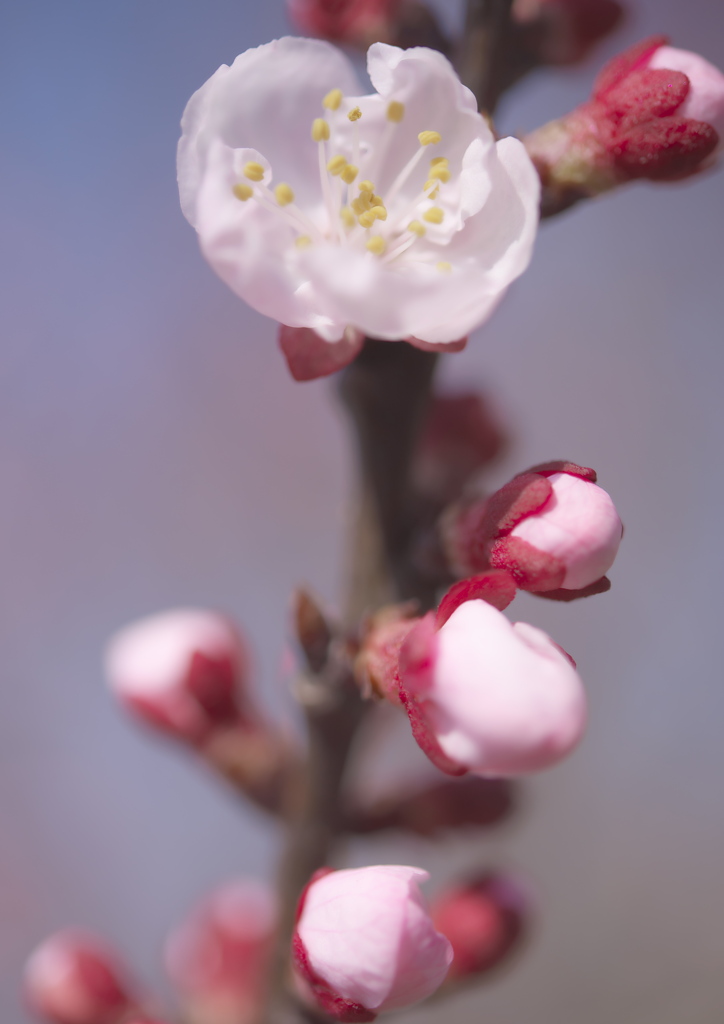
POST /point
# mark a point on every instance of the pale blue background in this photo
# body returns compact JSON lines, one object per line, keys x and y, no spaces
{"x":153,"y":452}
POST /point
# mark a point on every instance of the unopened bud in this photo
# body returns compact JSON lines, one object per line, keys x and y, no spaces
{"x":309,"y":356}
{"x":551,"y":528}
{"x":182,"y":672}
{"x":219,"y":958}
{"x":353,"y":22}
{"x":655,"y":113}
{"x":485,"y":920}
{"x":365,"y":943}
{"x":489,"y":696}
{"x":72,"y":978}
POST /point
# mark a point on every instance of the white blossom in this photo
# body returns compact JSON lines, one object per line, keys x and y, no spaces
{"x":396,"y":214}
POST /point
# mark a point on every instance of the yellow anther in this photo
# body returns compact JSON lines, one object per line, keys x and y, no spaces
{"x":377,"y":245}
{"x":367,"y":219}
{"x":434,"y":186}
{"x":434,"y":215}
{"x":361,"y":203}
{"x":349,"y":173}
{"x":336,"y":165}
{"x":417,"y":228}
{"x":444,"y":267}
{"x":395,"y":111}
{"x":243,"y":192}
{"x":377,"y":201}
{"x":439,"y":160}
{"x":355,"y":114}
{"x":302,"y":241}
{"x":440,"y":172}
{"x":253,"y":171}
{"x":284,"y":194}
{"x":320,"y":130}
{"x":333,"y":99}
{"x":380,"y":212}
{"x":366,"y":186}
{"x":429,"y":138}
{"x":348,"y":218}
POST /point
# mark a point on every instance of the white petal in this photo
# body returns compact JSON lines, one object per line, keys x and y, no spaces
{"x":267,"y":101}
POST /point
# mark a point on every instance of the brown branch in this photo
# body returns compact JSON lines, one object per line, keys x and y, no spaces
{"x":386,"y":391}
{"x":484,"y":56}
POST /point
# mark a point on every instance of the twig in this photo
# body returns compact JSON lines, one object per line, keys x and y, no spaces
{"x":483,"y":59}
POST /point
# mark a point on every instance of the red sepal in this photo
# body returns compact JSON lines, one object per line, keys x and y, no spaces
{"x":495,"y":587}
{"x":329,"y":1000}
{"x":561,"y":466}
{"x":601,"y":586}
{"x":663,"y":149}
{"x":309,"y":357}
{"x":417,"y":657}
{"x":531,"y":569}
{"x":647,"y":93}
{"x":520,"y":497}
{"x":621,"y":66}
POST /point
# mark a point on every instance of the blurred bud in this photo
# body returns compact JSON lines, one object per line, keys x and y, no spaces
{"x":309,"y":356}
{"x":72,"y":978}
{"x":485,"y":921}
{"x":182,"y":672}
{"x":489,"y":696}
{"x":644,"y":120}
{"x":353,"y":22}
{"x":376,"y":665}
{"x":219,"y":958}
{"x":474,"y":802}
{"x":564,"y":31}
{"x":365,"y":944}
{"x":459,"y":437}
{"x":551,"y":528}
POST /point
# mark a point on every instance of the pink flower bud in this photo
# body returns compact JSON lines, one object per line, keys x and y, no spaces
{"x":73,"y":979}
{"x":645,"y":119}
{"x":181,"y":672}
{"x":309,"y":356}
{"x":490,"y":697}
{"x":552,"y":529}
{"x":365,"y":943}
{"x":578,"y":525}
{"x":219,"y":958}
{"x":484,"y":919}
{"x":354,"y":22}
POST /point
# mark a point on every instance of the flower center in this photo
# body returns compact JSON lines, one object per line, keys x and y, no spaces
{"x":387,"y":226}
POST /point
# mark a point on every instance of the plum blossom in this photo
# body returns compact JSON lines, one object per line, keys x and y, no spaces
{"x":395,"y":214}
{"x":489,"y":696}
{"x":365,"y":943}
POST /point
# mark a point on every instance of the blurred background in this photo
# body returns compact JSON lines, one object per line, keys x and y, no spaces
{"x":155,"y":452}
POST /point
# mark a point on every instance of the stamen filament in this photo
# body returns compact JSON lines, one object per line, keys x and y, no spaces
{"x":329,"y":202}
